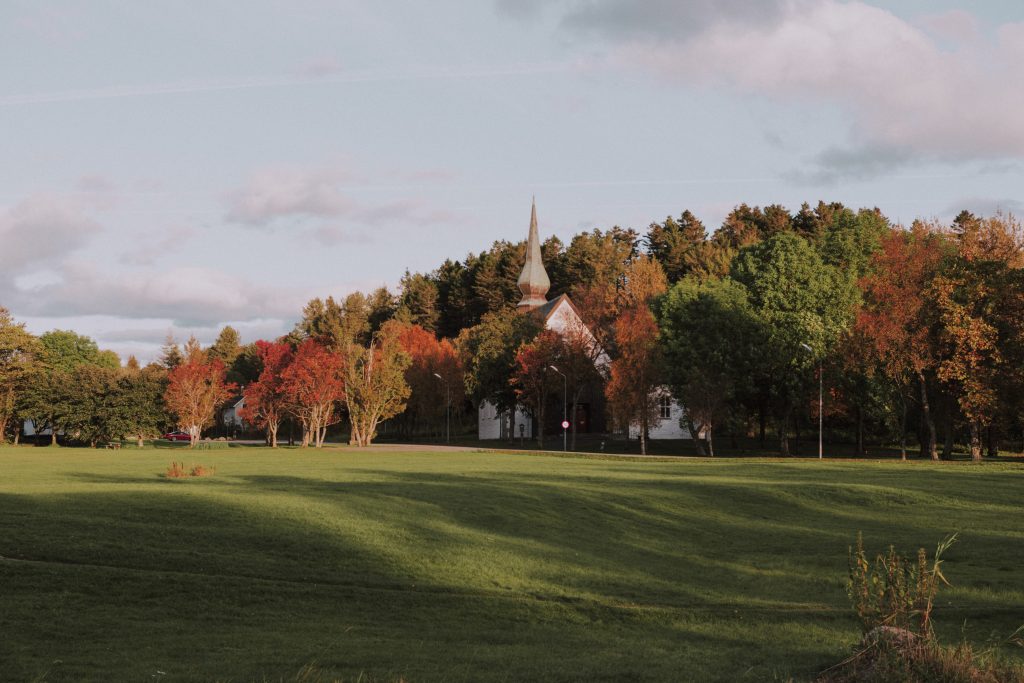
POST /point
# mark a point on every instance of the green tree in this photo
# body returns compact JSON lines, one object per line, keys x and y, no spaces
{"x":417,"y":302}
{"x":375,"y":385}
{"x":170,"y":353}
{"x":677,"y":244}
{"x":488,"y":353}
{"x":799,"y":300}
{"x":18,"y":351}
{"x":710,"y":340}
{"x":227,"y":346}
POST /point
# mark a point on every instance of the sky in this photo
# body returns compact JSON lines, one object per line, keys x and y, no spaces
{"x":175,"y":167}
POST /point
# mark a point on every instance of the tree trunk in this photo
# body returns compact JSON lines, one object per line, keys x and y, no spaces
{"x":538,"y":424}
{"x":993,"y":441}
{"x":53,"y":434}
{"x":861,"y":451}
{"x":929,"y":423}
{"x":711,"y":445}
{"x":762,"y":419}
{"x":903,"y":431}
{"x":643,"y":435}
{"x":3,"y":432}
{"x":272,"y":433}
{"x":947,"y":446}
{"x":975,"y":441}
{"x":784,"y":435}
{"x":695,"y":436}
{"x":17,"y":433}
{"x":572,"y":418}
{"x":140,"y":442}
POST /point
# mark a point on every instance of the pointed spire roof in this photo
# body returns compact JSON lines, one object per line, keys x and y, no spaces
{"x":533,"y":281}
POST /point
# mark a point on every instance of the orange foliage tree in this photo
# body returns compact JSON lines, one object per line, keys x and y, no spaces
{"x":897,"y":321}
{"x":195,"y":389}
{"x":636,"y":386}
{"x":979,"y":300}
{"x":266,"y":400}
{"x":434,"y":376}
{"x":533,"y":379}
{"x":314,"y":382}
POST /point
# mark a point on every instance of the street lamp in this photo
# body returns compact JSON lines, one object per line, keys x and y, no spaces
{"x":821,"y":401}
{"x":447,"y":409}
{"x":565,"y":403}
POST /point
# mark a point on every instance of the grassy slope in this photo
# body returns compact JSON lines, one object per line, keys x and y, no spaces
{"x":462,"y":566}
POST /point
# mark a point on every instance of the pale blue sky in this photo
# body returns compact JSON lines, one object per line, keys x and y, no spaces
{"x":170,"y":165}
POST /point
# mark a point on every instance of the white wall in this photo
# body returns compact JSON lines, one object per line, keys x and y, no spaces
{"x":489,"y":422}
{"x":669,"y":428}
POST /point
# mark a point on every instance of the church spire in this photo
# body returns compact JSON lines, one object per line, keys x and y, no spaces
{"x":533,"y":282}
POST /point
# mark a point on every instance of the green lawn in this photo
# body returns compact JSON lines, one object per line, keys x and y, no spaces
{"x":473,"y":566}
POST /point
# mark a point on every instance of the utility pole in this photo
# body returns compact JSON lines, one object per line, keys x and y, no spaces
{"x":565,"y":409}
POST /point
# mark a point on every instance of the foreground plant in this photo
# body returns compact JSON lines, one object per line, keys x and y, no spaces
{"x":894,"y":598}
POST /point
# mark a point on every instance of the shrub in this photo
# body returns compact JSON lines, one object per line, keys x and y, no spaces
{"x":896,"y":591}
{"x":177,"y":471}
{"x":893,"y":598}
{"x":202,"y":471}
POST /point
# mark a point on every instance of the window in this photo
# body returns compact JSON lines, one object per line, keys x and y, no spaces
{"x":665,"y":403}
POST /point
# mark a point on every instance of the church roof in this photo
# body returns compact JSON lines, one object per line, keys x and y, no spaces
{"x":533,"y":281}
{"x":545,"y":311}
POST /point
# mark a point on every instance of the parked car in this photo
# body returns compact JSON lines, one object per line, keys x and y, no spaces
{"x":177,"y":436}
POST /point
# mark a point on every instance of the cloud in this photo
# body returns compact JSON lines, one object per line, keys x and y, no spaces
{"x":909,"y":94}
{"x":189,"y":296}
{"x":666,"y":19}
{"x":320,"y":67}
{"x":276,"y":193}
{"x":168,"y":240}
{"x":320,"y":201}
{"x":41,"y":230}
{"x":416,"y":73}
{"x":985,"y":206}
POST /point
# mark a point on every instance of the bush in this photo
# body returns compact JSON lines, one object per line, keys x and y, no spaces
{"x":177,"y":471}
{"x":896,"y":591}
{"x":893,"y":598}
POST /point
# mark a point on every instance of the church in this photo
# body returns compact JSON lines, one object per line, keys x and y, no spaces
{"x":561,"y":315}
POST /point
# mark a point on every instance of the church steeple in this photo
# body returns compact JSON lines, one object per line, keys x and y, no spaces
{"x":533,"y":282}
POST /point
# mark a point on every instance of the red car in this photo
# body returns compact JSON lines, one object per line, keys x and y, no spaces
{"x":177,"y":436}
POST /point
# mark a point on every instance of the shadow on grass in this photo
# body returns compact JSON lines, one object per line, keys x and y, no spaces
{"x":483,"y":576}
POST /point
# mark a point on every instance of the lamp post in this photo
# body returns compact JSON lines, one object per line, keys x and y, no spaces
{"x":565,"y":403}
{"x":821,"y":401}
{"x":447,"y":409}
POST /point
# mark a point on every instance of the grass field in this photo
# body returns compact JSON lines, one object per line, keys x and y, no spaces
{"x":462,"y":566}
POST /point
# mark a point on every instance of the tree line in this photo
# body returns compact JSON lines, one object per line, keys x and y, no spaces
{"x":914,"y":332}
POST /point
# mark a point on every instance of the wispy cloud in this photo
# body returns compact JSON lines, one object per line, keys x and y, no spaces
{"x":309,"y":79}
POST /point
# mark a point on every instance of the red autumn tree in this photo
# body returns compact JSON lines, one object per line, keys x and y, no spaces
{"x":314,"y":382}
{"x":196,"y":389}
{"x":266,"y":400}
{"x":897,"y":318}
{"x":533,"y":378}
{"x":430,"y":358}
{"x":582,"y":360}
{"x":635,"y":389}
